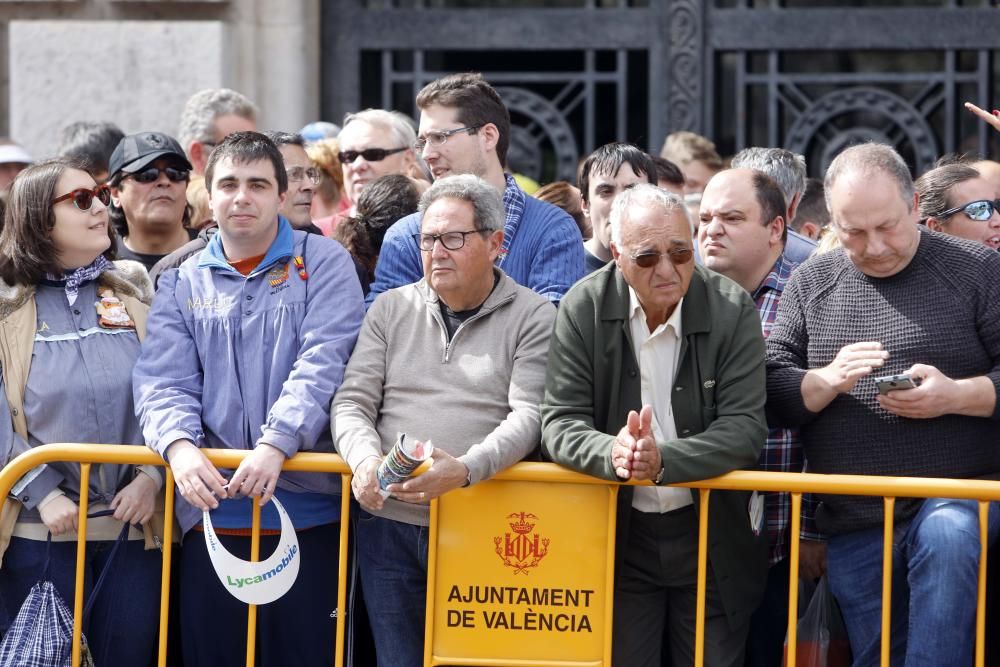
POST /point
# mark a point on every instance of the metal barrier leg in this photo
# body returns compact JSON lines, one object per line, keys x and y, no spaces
{"x":432,"y":537}
{"x":252,"y":609}
{"x":345,"y":523}
{"x":81,"y":556}
{"x":699,"y":619}
{"x":791,"y":646}
{"x":168,"y":544}
{"x":984,"y":513}
{"x":890,"y":505}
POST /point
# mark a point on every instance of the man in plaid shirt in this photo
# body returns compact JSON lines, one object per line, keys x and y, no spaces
{"x":742,"y":235}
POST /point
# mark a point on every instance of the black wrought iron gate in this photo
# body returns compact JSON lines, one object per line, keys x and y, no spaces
{"x":811,"y":75}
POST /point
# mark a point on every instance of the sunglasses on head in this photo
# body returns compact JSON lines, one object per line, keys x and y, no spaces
{"x":677,"y":256}
{"x":980,"y":210}
{"x":83,"y":198}
{"x":151,"y":174}
{"x":369,"y":154}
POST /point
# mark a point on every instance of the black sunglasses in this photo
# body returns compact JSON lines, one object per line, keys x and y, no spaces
{"x":369,"y":154}
{"x":150,"y":174}
{"x":677,"y":256}
{"x":980,"y":210}
{"x":83,"y":198}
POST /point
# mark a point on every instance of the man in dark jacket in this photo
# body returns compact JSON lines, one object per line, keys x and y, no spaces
{"x":653,"y":331}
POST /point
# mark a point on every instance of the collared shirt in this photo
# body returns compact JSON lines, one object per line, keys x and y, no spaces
{"x":783,"y":449}
{"x":513,"y":206}
{"x":657,"y":354}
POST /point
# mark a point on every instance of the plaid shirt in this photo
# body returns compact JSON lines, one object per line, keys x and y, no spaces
{"x":783,"y":450}
{"x":513,"y":206}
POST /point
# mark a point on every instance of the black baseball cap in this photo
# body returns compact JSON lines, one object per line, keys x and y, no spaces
{"x":137,"y":151}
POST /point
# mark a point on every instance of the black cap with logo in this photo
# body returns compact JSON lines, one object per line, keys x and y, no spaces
{"x":137,"y":151}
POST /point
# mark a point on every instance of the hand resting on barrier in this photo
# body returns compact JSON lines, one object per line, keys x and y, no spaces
{"x":365,"y":484}
{"x":258,"y":473}
{"x":197,"y":479}
{"x":446,"y":473}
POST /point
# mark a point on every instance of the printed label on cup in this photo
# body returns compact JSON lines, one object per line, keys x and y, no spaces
{"x":405,"y":456}
{"x":261,"y":582}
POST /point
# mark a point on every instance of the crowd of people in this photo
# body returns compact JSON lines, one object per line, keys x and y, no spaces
{"x":666,"y":319}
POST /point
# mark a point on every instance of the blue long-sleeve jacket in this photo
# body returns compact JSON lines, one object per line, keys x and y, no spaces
{"x":545,"y":256}
{"x":230,"y":361}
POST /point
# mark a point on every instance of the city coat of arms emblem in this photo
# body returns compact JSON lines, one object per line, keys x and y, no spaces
{"x":522,"y":549}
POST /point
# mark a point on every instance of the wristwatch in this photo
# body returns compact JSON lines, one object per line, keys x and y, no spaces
{"x":659,"y":476}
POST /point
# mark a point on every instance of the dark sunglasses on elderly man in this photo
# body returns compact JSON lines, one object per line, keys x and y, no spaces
{"x":83,"y":198}
{"x":151,"y":174}
{"x":677,"y":256}
{"x":980,"y":210}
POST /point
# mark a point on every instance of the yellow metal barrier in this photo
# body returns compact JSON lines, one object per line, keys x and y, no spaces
{"x":889,"y":488}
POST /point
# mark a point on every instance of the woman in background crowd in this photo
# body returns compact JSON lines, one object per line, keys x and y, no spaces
{"x":383,"y":202}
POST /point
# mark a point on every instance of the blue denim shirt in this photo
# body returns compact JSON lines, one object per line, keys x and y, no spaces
{"x":231,"y":361}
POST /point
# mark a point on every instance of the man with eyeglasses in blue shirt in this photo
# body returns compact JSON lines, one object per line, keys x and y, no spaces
{"x":149,"y":177}
{"x":465,"y":129}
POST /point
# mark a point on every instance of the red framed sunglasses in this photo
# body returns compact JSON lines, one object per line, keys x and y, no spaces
{"x":83,"y":198}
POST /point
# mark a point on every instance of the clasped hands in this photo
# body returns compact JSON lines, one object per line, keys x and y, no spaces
{"x":634,"y":454}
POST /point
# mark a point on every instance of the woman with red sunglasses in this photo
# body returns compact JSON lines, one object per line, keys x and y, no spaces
{"x":71,"y":320}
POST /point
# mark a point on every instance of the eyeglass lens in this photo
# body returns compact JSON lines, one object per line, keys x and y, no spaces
{"x":980,"y":210}
{"x":450,"y":240}
{"x":83,"y":198}
{"x":150,"y":174}
{"x":299,"y":173}
{"x":677,"y":256}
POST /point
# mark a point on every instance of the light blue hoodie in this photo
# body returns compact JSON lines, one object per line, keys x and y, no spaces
{"x":232,"y":360}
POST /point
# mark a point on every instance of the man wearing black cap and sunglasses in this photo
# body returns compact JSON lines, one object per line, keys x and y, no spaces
{"x":149,"y":177}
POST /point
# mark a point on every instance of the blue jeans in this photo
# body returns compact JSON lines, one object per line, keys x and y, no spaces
{"x":935,"y":572}
{"x":392,"y":558}
{"x":122,"y":626}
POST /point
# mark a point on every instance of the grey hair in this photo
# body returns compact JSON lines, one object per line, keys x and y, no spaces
{"x":201,"y":110}
{"x":487,"y":207}
{"x":643,"y":194}
{"x":935,"y":185}
{"x":400,"y":125}
{"x":868,"y":159}
{"x":788,"y":169}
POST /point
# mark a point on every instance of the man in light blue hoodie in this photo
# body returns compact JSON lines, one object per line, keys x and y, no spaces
{"x":247,"y":343}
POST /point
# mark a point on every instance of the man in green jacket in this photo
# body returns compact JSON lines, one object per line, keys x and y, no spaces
{"x":656,"y":372}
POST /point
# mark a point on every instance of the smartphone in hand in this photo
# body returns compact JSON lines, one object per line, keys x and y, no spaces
{"x":888,"y":383}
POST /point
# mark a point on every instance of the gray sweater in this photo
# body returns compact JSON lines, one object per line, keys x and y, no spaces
{"x":475,"y":397}
{"x":943,"y":309}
